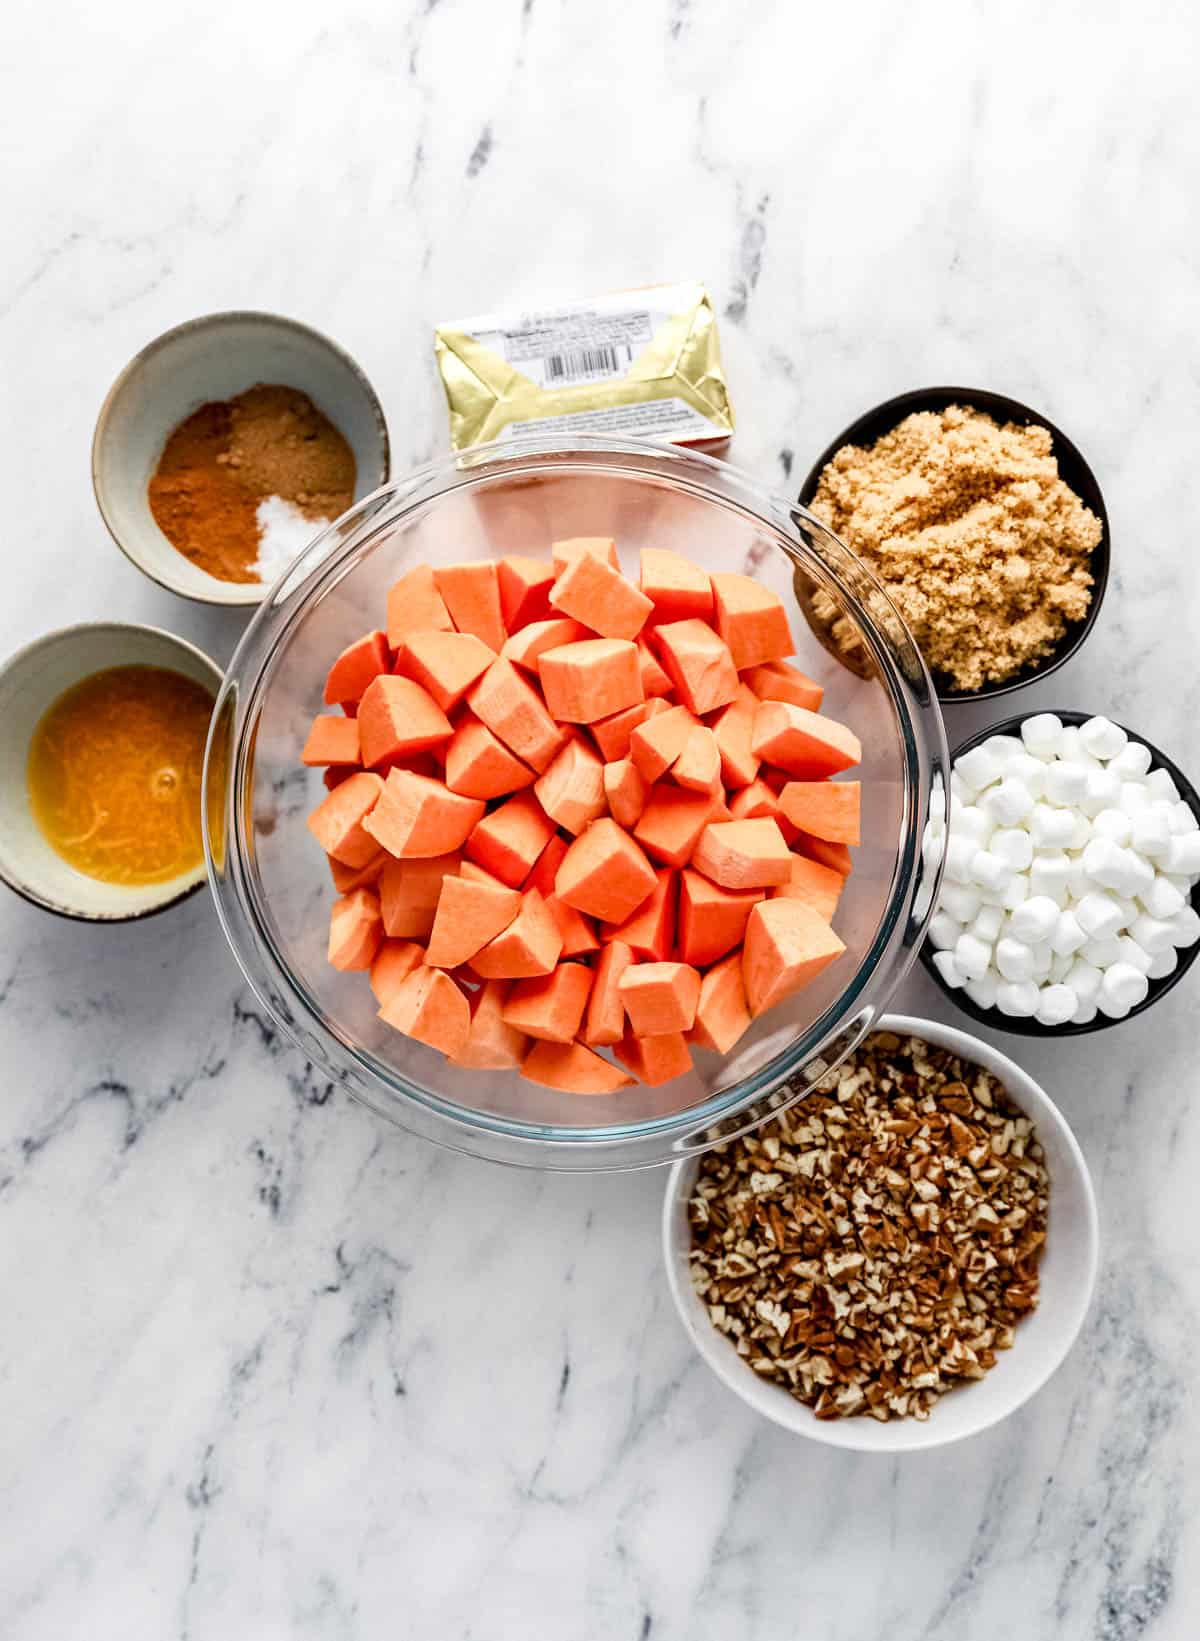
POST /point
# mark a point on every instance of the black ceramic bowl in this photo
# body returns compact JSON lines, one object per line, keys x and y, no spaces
{"x":1071,"y":466}
{"x":1158,"y":988}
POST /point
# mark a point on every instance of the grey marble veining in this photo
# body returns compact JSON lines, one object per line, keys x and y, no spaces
{"x":271,"y":1370}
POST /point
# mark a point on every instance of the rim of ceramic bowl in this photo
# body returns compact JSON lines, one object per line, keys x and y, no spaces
{"x":921,"y":741}
{"x":1186,"y":955}
{"x":255,"y":594}
{"x":907,"y":1435}
{"x":1074,"y":469}
{"x":77,"y":629}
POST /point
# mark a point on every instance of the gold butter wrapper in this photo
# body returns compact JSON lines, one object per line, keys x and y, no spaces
{"x":645,"y":363}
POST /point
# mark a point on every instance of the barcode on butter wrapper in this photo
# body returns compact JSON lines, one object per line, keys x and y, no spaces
{"x":645,"y":363}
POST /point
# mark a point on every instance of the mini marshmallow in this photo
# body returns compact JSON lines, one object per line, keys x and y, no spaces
{"x":1065,"y":784}
{"x":1153,"y":934}
{"x":993,"y":897}
{"x":1068,"y":934}
{"x":1183,"y":818}
{"x":1139,"y":874}
{"x":1042,"y":957}
{"x":982,"y":992}
{"x":1102,"y":738}
{"x":1072,"y":750}
{"x":1042,"y":734}
{"x":1014,"y":959}
{"x":1099,"y":915}
{"x":1182,"y":858}
{"x":1056,"y":1005}
{"x":959,"y":789}
{"x":1017,"y":892}
{"x":987,"y":923}
{"x":1150,"y":834}
{"x":1113,"y":824}
{"x":1013,"y":845}
{"x":1101,"y":952}
{"x":978,"y":769}
{"x":1082,"y":834}
{"x":1030,"y":771}
{"x":989,"y":871}
{"x":1051,"y":828}
{"x":967,"y":820}
{"x":1050,"y":875}
{"x":1007,"y":803}
{"x":960,"y":900}
{"x":944,"y":931}
{"x":1162,"y":964}
{"x":1113,"y":867}
{"x":1035,"y":920}
{"x":1084,"y":1014}
{"x":1132,"y":763}
{"x":1103,"y":791}
{"x":1163,"y":898}
{"x":1136,"y":956}
{"x":1004,"y":747}
{"x":1019,"y":999}
{"x":1078,"y":882}
{"x":1060,"y":968}
{"x":1133,"y":798}
{"x":949,"y":970}
{"x":1160,"y":785}
{"x":972,"y":956}
{"x":1185,"y":927}
{"x":1084,"y":980}
{"x":960,"y":852}
{"x":933,"y":849}
{"x":1122,"y":989}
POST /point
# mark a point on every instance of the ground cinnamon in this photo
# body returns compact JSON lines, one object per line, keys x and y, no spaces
{"x":228,"y":457}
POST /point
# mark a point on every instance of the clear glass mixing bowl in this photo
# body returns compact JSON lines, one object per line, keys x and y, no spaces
{"x":272,"y":886}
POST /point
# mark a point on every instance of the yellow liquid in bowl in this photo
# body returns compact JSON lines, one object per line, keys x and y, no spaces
{"x":114,"y":774}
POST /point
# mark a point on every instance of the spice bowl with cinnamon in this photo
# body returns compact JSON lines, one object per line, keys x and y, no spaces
{"x":226,"y":445}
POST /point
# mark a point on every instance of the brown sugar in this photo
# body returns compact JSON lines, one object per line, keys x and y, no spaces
{"x":226,"y":458}
{"x":984,"y":548}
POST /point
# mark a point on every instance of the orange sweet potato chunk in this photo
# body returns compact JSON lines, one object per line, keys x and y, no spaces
{"x":480,"y":766}
{"x":514,"y":711}
{"x":650,"y":932}
{"x":777,"y":681}
{"x":804,"y":743}
{"x":654,"y":680}
{"x":445,"y":664}
{"x":830,"y":810}
{"x":835,"y":856}
{"x":743,"y":854}
{"x":355,"y":930}
{"x":550,"y":1007}
{"x":355,"y":667}
{"x":492,"y":1044}
{"x":429,"y":1007}
{"x":751,"y":619}
{"x":698,"y":766}
{"x":612,"y":735}
{"x":672,"y":823}
{"x":337,"y":821}
{"x":593,"y":592}
{"x":530,"y":945}
{"x":331,"y":740}
{"x":469,"y":917}
{"x":346,"y":878}
{"x":660,"y":997}
{"x":418,"y":817}
{"x":471,"y":593}
{"x":415,"y":605}
{"x":734,"y":726}
{"x":397,"y":718}
{"x":394,"y":961}
{"x":698,"y":663}
{"x":655,"y":1060}
{"x":526,"y":648}
{"x":565,"y":552}
{"x":655,"y":744}
{"x":722,"y":1013}
{"x":712,"y":920}
{"x":625,"y":792}
{"x":605,"y":1024}
{"x":787,"y":945}
{"x":409,"y":891}
{"x":677,"y":588}
{"x":818,"y":886}
{"x":590,"y":679}
{"x":573,"y":1068}
{"x":578,"y":934}
{"x":572,"y":790}
{"x":508,"y":841}
{"x":604,"y":873}
{"x":525,"y":585}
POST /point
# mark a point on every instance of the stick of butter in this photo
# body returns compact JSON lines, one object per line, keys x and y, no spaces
{"x":644,"y":362}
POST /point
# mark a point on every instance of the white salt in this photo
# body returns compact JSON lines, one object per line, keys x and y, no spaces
{"x":283,"y":532}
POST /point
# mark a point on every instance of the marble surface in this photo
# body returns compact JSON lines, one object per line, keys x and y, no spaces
{"x":270,"y":1370}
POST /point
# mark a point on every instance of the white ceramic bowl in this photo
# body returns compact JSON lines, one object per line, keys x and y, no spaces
{"x":211,"y":358}
{"x":1068,"y":1276}
{"x":30,"y":682}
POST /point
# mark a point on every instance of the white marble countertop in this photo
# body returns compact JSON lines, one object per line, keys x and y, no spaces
{"x":270,"y":1370}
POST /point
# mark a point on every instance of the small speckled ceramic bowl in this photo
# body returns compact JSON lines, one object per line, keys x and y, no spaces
{"x":211,"y":358}
{"x":30,"y":682}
